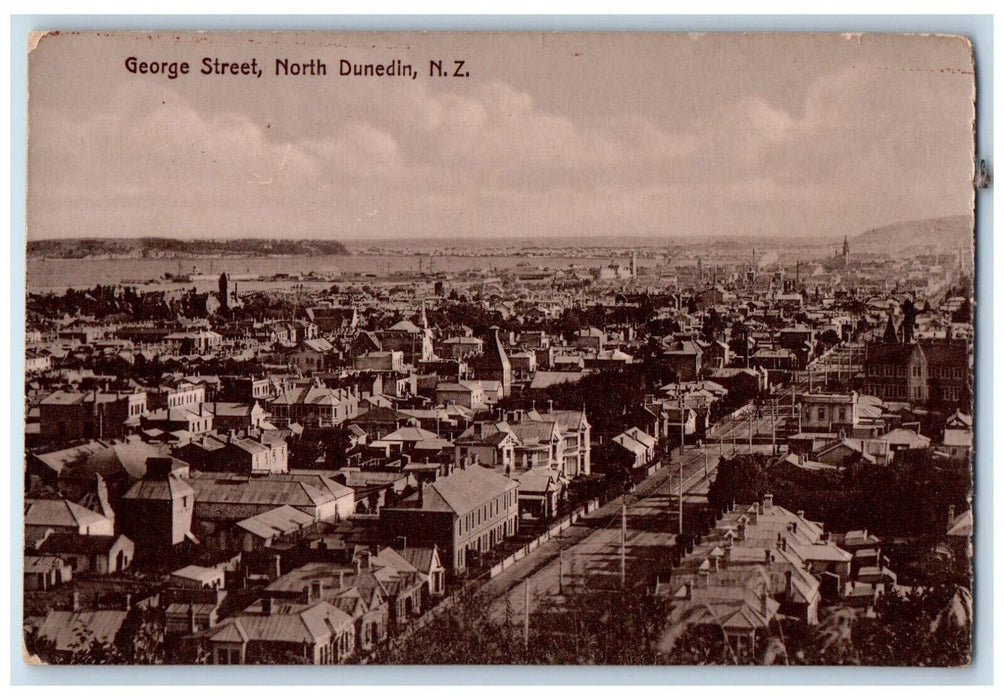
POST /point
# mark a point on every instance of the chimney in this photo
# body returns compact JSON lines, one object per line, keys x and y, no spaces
{"x":728,"y":552}
{"x":550,"y":406}
{"x":787,"y":585}
{"x":266,"y":605}
{"x":341,"y":579}
{"x":951,"y":515}
{"x":801,"y":515}
{"x":276,"y":568}
{"x":158,"y":467}
{"x":741,"y":531}
{"x":767,"y":556}
{"x":768,"y":501}
{"x":128,"y":601}
{"x":191,"y":619}
{"x":317,"y":590}
{"x":707,"y":579}
{"x":763,"y":603}
{"x":75,"y":601}
{"x":690,"y":590}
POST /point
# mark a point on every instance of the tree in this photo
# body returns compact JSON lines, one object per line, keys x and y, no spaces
{"x":740,"y":479}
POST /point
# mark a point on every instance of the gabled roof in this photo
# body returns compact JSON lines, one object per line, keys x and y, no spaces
{"x":70,"y":631}
{"x":74,"y":543}
{"x":276,"y":522}
{"x":59,"y":513}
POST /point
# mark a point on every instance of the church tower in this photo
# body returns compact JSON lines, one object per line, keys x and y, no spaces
{"x":847,"y":253}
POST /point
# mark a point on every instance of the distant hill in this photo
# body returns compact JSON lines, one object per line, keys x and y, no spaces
{"x":73,"y":248}
{"x":928,"y":236}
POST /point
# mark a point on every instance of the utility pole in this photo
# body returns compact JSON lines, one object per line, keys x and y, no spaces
{"x":561,"y":570}
{"x":773,"y":433}
{"x":680,"y":493}
{"x":623,"y":545}
{"x":526,"y":613}
{"x":683,"y":423}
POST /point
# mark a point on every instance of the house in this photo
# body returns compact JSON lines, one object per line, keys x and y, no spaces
{"x":236,"y":454}
{"x":62,"y":516}
{"x":269,"y":528}
{"x":276,"y":633}
{"x":223,"y":501}
{"x":194,"y":420}
{"x":72,"y":415}
{"x":234,"y":415}
{"x":469,"y":394}
{"x":311,"y":355}
{"x":636,"y":454}
{"x":97,"y":554}
{"x":491,"y":443}
{"x":461,"y":347}
{"x":685,"y":359}
{"x":426,"y":562}
{"x":315,"y":406}
{"x":540,"y":491}
{"x":380,"y":361}
{"x":827,"y":413}
{"x":71,"y":631}
{"x":464,"y":515}
{"x":958,"y":439}
{"x":194,"y":576}
{"x":42,"y":572}
{"x":351,"y":586}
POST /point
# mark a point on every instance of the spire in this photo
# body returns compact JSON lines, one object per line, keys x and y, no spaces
{"x":890,"y":335}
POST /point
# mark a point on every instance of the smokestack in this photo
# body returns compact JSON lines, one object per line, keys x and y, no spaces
{"x":317,"y":590}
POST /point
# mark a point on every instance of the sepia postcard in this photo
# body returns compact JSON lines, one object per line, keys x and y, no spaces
{"x":499,"y":348}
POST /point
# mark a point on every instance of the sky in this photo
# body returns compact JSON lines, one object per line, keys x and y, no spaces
{"x":550,"y":136}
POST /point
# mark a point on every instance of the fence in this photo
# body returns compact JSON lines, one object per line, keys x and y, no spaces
{"x":554,"y":531}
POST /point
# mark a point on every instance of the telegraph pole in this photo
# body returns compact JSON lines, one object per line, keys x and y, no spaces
{"x":683,"y":423}
{"x":623,"y":545}
{"x":773,"y":433}
{"x":680,"y":495}
{"x":526,"y":613}
{"x":561,"y":570}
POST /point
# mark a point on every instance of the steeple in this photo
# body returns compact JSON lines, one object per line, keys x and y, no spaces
{"x":846,"y":253}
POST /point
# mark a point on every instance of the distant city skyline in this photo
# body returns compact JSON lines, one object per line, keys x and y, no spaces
{"x":556,"y":137}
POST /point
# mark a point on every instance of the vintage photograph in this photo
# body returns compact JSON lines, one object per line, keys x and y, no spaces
{"x":499,"y":348}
